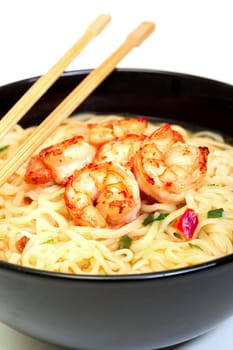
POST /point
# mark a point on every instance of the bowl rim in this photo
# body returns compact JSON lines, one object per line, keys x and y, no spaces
{"x":164,"y":274}
{"x":77,"y":72}
{"x":178,"y":272}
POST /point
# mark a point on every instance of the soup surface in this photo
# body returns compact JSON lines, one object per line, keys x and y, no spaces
{"x":117,"y":195}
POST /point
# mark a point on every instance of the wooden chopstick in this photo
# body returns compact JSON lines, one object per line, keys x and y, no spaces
{"x":44,"y":82}
{"x":73,"y":100}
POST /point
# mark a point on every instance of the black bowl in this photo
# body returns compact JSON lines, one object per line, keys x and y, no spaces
{"x":144,"y":311}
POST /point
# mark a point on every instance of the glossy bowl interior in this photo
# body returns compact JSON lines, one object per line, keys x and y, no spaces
{"x":146,"y":311}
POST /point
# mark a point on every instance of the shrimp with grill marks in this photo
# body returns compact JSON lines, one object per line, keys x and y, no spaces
{"x":58,"y":162}
{"x":100,"y":133}
{"x":121,"y":150}
{"x":102,"y":195}
{"x":166,"y":166}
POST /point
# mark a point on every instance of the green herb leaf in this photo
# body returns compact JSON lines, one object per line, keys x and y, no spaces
{"x":194,"y":246}
{"x":161,"y":216}
{"x":3,"y":148}
{"x":49,"y":241}
{"x":215,"y":213}
{"x":125,"y":242}
{"x":148,"y":220}
{"x":151,"y":218}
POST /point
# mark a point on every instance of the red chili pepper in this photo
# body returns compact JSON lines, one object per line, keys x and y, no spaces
{"x":187,"y":223}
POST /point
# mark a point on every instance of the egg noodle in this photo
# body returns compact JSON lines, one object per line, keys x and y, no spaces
{"x":54,"y":243}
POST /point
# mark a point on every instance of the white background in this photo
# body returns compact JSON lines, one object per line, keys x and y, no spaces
{"x":192,"y":36}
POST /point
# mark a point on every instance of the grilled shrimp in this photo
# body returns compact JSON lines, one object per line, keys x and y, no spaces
{"x":166,"y":166}
{"x":99,"y":133}
{"x":102,"y":195}
{"x":58,"y":162}
{"x":37,"y":172}
{"x":121,"y":150}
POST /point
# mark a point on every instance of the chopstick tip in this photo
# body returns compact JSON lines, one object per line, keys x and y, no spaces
{"x":141,"y":33}
{"x":99,"y":24}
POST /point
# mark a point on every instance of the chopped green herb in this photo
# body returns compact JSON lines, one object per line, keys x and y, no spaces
{"x":49,"y":241}
{"x":215,"y":213}
{"x":3,"y":148}
{"x":161,"y":216}
{"x":151,"y":218}
{"x":125,"y":242}
{"x":212,"y":185}
{"x":148,"y":220}
{"x":194,"y":246}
